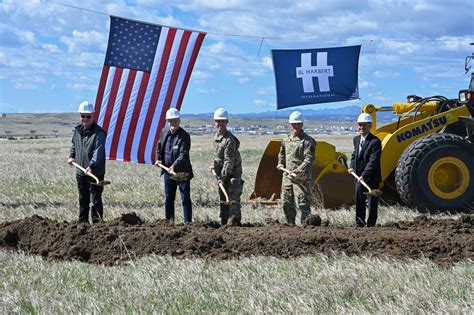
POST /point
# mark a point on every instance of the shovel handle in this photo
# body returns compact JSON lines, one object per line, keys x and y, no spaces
{"x":286,"y":170}
{"x":86,"y":172}
{"x":166,"y":169}
{"x":361,"y":181}
{"x":221,"y":186}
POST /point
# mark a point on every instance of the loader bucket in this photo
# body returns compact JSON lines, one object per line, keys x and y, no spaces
{"x":331,"y":185}
{"x":268,"y":180}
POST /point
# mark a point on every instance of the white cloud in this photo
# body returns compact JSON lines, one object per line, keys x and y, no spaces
{"x":200,"y":75}
{"x":454,"y":43}
{"x":51,"y":48}
{"x":243,"y":80}
{"x":424,"y":6}
{"x":267,"y":62}
{"x":385,"y":74}
{"x":266,"y":90}
{"x":85,"y":41}
{"x":260,"y":102}
{"x":202,"y":91}
{"x":437,"y":86}
{"x":29,"y":37}
{"x":25,"y":86}
{"x":82,"y":86}
{"x":379,"y":97}
{"x":342,"y":23}
{"x":236,"y":73}
{"x":86,"y":59}
{"x":216,"y":48}
{"x":366,"y":84}
{"x":210,"y":4}
{"x":401,"y":47}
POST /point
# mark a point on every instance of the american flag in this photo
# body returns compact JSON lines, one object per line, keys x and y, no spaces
{"x":146,"y":71}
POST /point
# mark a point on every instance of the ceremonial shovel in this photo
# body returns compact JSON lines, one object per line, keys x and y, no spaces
{"x":371,"y":192}
{"x":179,"y":177}
{"x":97,"y":181}
{"x":227,"y":201}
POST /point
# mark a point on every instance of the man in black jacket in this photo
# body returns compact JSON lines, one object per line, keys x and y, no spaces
{"x":365,"y":162}
{"x":172,"y":151}
{"x":88,"y":150}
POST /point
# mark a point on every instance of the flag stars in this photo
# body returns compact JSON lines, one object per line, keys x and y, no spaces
{"x":132,"y":44}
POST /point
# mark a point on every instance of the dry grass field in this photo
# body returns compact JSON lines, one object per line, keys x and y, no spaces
{"x":36,"y":180}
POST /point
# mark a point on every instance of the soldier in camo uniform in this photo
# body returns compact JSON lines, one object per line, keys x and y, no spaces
{"x":228,"y":167}
{"x":296,"y":155}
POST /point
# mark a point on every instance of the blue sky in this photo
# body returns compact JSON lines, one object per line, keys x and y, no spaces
{"x":51,"y":55}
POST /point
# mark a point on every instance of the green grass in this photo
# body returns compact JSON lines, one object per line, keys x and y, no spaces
{"x":35,"y":179}
{"x":336,"y":284}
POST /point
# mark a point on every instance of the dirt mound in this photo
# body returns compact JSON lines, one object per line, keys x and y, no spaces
{"x":119,"y":240}
{"x":312,"y":220}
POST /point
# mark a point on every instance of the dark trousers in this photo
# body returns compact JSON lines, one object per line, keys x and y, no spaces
{"x":361,"y":199}
{"x":86,"y":191}
{"x":170,"y":194}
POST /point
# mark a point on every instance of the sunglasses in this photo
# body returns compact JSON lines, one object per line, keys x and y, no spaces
{"x":85,"y":116}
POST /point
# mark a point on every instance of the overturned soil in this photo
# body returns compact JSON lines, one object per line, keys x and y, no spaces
{"x":117,"y":241}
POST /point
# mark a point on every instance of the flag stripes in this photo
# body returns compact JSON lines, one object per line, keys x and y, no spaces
{"x":131,"y":104}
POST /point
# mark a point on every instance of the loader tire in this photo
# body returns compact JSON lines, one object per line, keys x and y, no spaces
{"x":435,"y":173}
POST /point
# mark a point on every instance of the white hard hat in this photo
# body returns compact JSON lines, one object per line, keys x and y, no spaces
{"x":172,"y":113}
{"x":364,"y":118}
{"x":221,"y":114}
{"x":86,"y":108}
{"x":295,"y":118}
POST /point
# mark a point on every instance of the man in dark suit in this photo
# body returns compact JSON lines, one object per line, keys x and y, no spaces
{"x":172,"y":151}
{"x":365,"y":162}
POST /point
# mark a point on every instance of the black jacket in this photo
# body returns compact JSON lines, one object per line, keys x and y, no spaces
{"x":367,"y":164}
{"x":179,"y":152}
{"x":88,"y":148}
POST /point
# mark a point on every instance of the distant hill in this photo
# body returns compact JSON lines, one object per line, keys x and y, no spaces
{"x":284,"y":113}
{"x":346,"y":113}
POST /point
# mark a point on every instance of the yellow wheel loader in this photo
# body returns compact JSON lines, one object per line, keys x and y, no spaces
{"x":427,"y":157}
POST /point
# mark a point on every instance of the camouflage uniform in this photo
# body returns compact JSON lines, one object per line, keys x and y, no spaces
{"x":228,"y":166}
{"x":297,"y":155}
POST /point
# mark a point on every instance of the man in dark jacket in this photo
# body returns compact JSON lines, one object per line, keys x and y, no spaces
{"x":88,"y":150}
{"x":172,"y":151}
{"x":365,"y":162}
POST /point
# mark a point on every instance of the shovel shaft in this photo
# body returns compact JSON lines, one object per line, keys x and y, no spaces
{"x":221,"y":186}
{"x":361,"y":181}
{"x":86,"y":172}
{"x":166,"y":169}
{"x":287,"y":171}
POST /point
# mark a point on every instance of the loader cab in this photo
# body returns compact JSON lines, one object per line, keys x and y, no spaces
{"x":467,"y":96}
